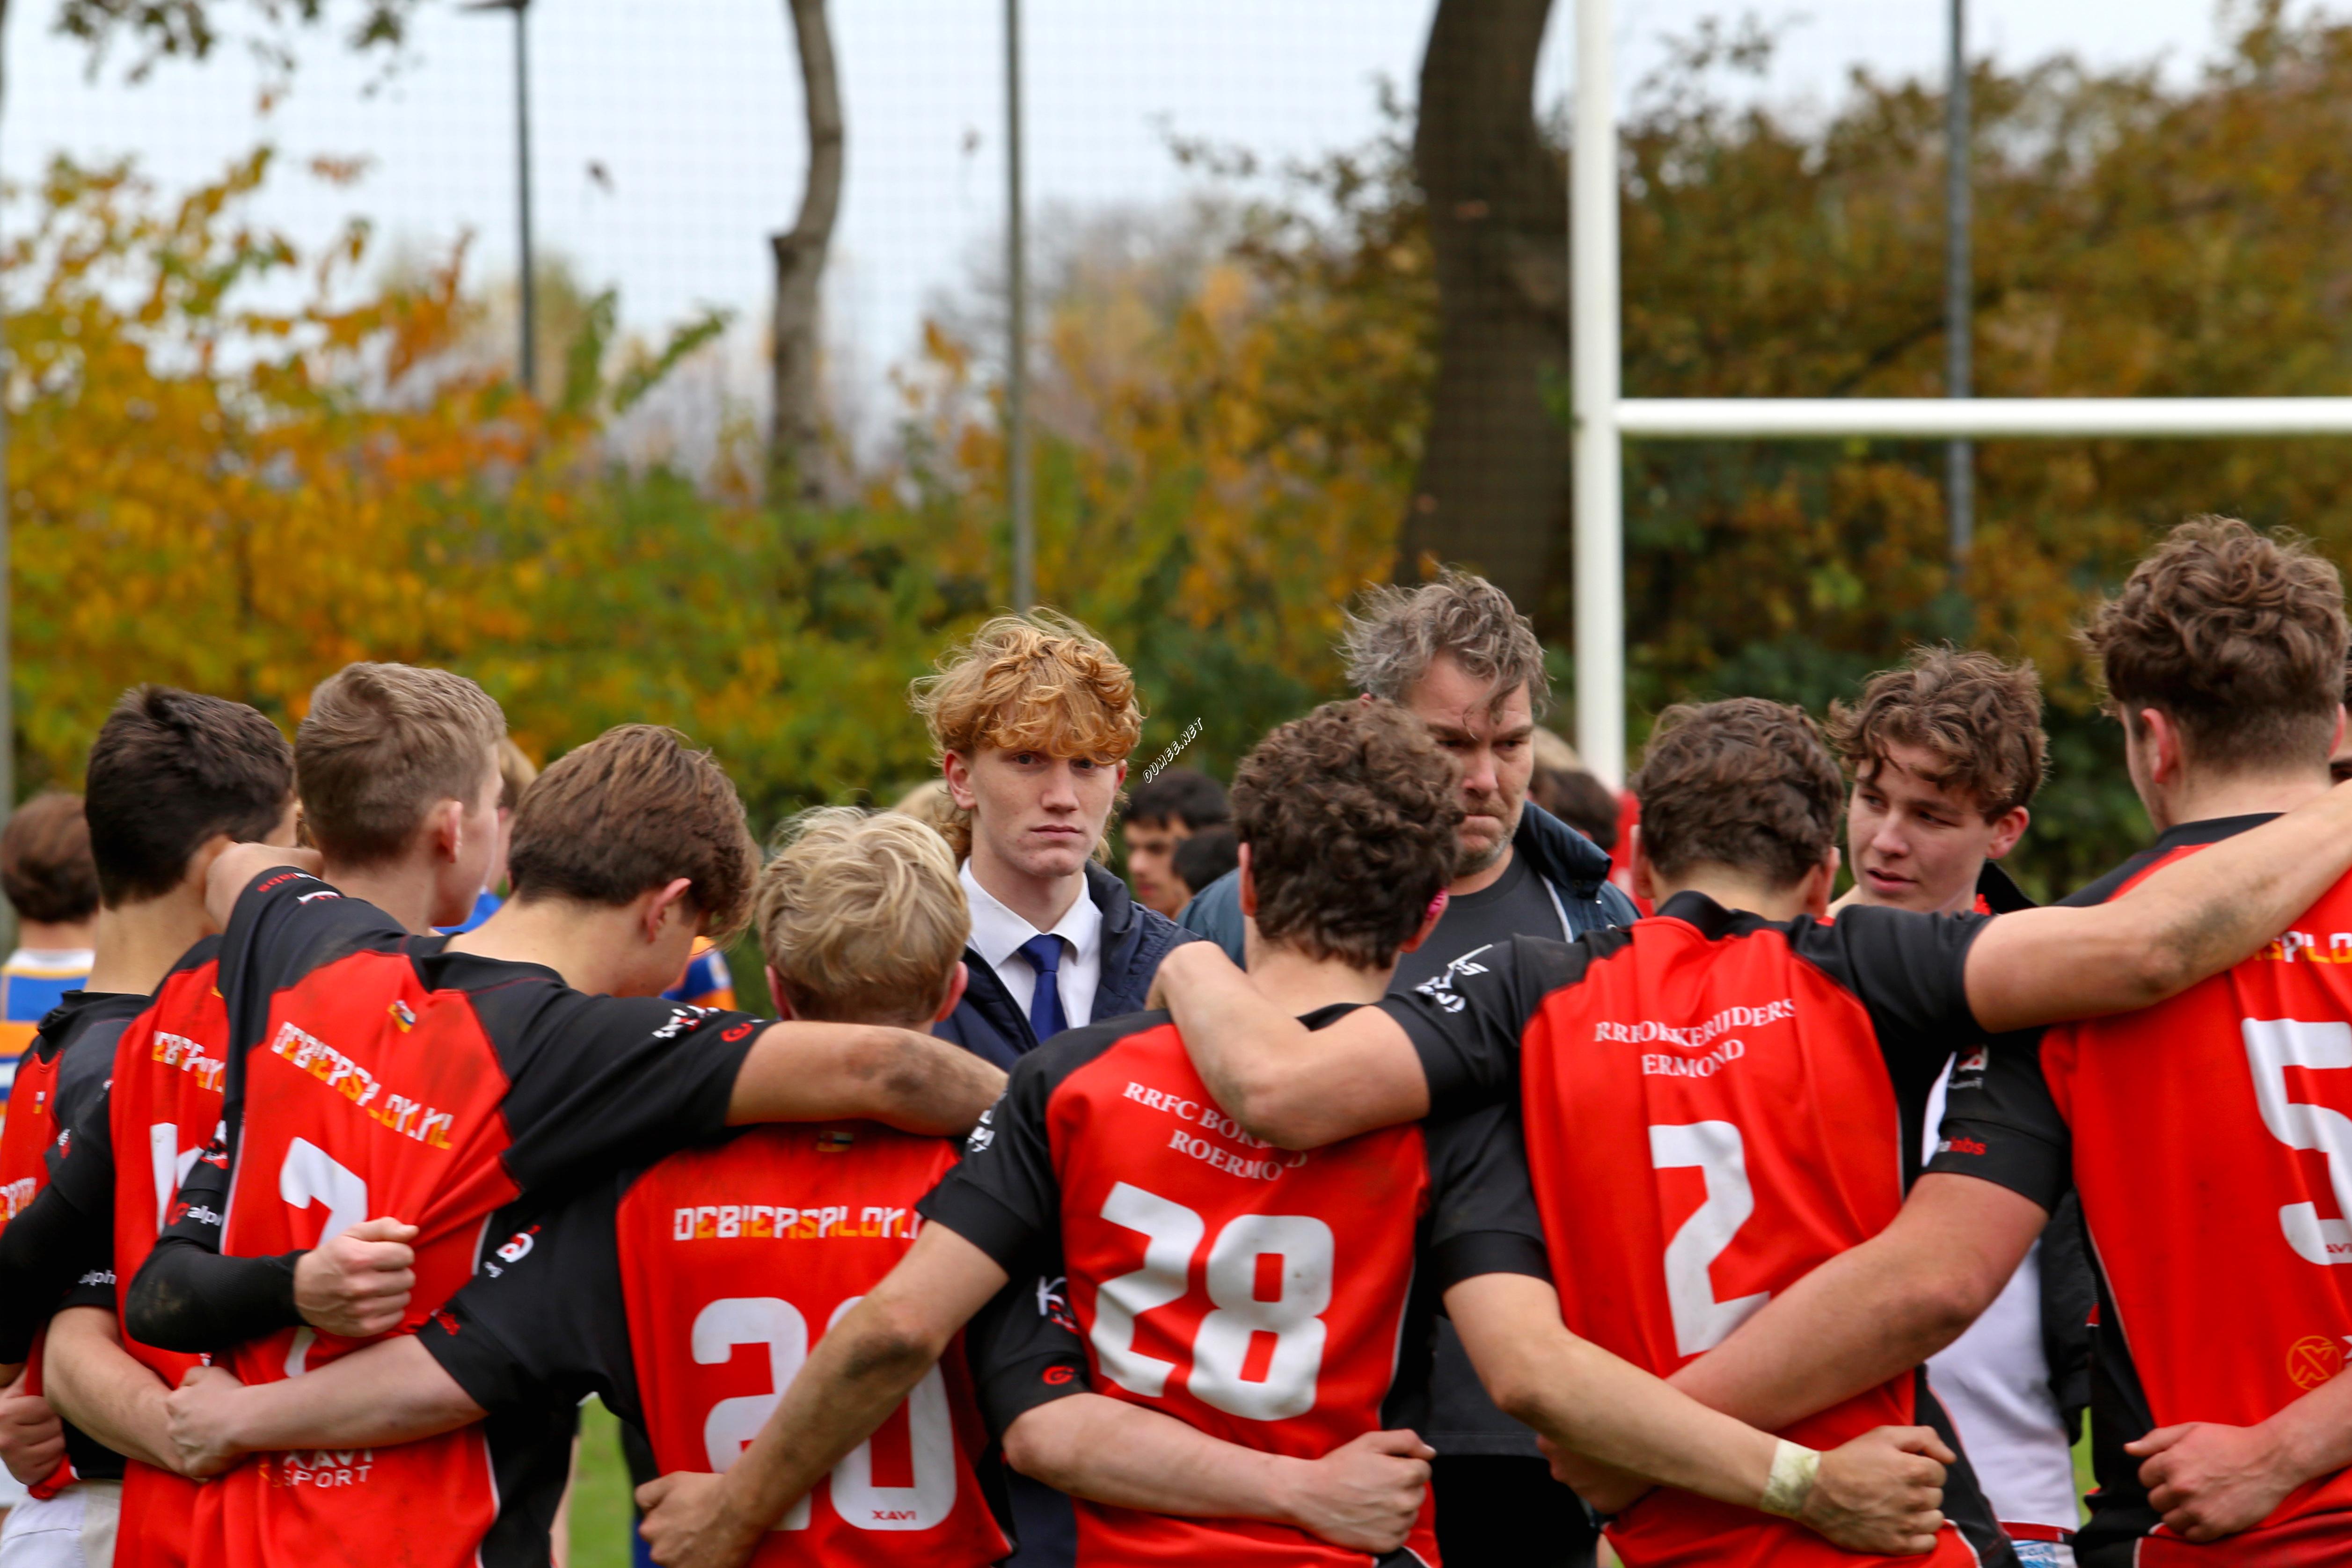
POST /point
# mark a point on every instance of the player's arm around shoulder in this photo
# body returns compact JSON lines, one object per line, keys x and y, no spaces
{"x":855,"y":1376}
{"x":234,"y":870}
{"x":808,"y":1071}
{"x":1294,"y":1087}
{"x":391,"y":1392}
{"x":2189,"y":920}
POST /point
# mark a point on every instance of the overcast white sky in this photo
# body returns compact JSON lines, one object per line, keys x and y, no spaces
{"x":691,"y":107}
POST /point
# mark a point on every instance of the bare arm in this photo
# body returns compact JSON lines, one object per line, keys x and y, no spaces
{"x":857,"y":1374}
{"x":97,"y":1385}
{"x":2210,"y":1480}
{"x":1879,"y":1493}
{"x":1874,"y":1311}
{"x":1294,"y":1087}
{"x":2194,"y":918}
{"x":391,"y":1392}
{"x":238,"y":865}
{"x":1364,"y":1496}
{"x":827,"y":1072}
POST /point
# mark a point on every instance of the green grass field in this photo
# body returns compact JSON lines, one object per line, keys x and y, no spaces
{"x":601,"y":1520}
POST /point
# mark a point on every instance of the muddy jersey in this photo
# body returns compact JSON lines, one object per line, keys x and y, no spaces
{"x":1264,"y":1297}
{"x":689,"y":1295}
{"x":371,"y":1073}
{"x":1714,"y":1105}
{"x":2208,"y":1139}
{"x":60,"y":1077}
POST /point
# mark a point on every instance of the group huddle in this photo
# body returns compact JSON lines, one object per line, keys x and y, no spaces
{"x":1418,"y":1192}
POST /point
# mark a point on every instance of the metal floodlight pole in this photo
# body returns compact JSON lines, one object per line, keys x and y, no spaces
{"x":1959,"y":457}
{"x":529,"y":281}
{"x":1019,"y":502}
{"x":1600,"y":520}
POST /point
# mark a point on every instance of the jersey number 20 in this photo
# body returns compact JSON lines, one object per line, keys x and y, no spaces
{"x":777,"y":1326}
{"x":1260,"y":1379}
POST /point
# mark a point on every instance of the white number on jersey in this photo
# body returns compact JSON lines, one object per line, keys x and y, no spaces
{"x":2274,"y":1045}
{"x":171,"y":1165}
{"x":1701,"y":1322}
{"x":1220,"y":1347}
{"x":308,"y":1175}
{"x":778,"y":1327}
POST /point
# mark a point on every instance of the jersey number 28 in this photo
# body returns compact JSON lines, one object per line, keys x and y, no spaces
{"x":1251,"y":1358}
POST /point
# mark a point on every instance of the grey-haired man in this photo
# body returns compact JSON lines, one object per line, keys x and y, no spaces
{"x":1457,"y":654}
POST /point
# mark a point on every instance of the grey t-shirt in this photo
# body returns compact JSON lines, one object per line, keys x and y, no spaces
{"x":1462,"y":1419}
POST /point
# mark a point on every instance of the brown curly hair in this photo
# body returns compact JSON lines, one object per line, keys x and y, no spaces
{"x":1979,"y":718}
{"x":1039,"y":682}
{"x":2237,"y":637}
{"x":1349,"y":817}
{"x":1743,"y":783}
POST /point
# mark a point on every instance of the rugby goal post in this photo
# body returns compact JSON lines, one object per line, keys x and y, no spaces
{"x":1604,"y":418}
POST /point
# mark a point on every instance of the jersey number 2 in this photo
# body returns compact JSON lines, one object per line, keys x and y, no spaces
{"x":1251,"y":1358}
{"x":1701,"y":1322}
{"x":778,"y":1327}
{"x":2274,"y":1045}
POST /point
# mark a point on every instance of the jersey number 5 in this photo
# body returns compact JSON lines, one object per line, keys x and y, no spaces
{"x":2274,"y":1045}
{"x":778,"y":1327}
{"x":1701,"y":1322}
{"x":1251,"y":1358}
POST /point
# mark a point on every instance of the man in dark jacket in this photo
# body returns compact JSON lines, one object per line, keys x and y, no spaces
{"x":1034,"y":719}
{"x":1456,"y":653}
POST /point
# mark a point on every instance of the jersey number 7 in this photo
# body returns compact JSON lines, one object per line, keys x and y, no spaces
{"x":1701,"y":1322}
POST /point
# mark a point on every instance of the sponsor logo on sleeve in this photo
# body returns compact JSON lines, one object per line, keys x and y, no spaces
{"x":1054,"y":1302}
{"x":984,"y":1134}
{"x":1439,"y":988}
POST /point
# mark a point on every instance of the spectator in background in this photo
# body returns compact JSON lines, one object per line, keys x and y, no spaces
{"x":1580,"y":801}
{"x":930,"y":803}
{"x":1206,"y":856}
{"x":515,"y":773}
{"x":1456,"y":653}
{"x":51,"y":881}
{"x":1162,"y":813}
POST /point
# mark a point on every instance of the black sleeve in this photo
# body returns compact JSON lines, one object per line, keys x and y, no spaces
{"x":186,"y":1296}
{"x":1910,"y":973}
{"x":43,"y":1252}
{"x":81,"y":1096}
{"x":1023,"y":1348}
{"x":82,"y":1161}
{"x":595,"y":1082}
{"x":285,"y":923}
{"x":1002,"y":1197}
{"x":541,"y":1321}
{"x":1466,"y":1024}
{"x":2001,"y":1126}
{"x":1481,"y":1217}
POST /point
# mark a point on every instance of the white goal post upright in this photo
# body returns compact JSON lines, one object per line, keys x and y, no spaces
{"x":1604,"y":418}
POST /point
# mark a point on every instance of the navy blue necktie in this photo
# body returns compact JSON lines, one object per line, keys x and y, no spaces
{"x":1044,"y":956}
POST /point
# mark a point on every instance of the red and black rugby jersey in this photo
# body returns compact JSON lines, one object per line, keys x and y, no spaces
{"x":162,"y":1105}
{"x":1259,"y":1294}
{"x":60,"y":1081}
{"x":371,"y":1073}
{"x":1714,"y":1104}
{"x":2210,"y":1141}
{"x":689,"y":1295}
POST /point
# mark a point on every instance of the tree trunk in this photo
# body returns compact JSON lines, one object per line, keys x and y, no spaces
{"x":1493,"y":474}
{"x":796,"y":440}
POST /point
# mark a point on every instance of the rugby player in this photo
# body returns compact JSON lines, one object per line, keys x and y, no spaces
{"x":1785,"y":1059}
{"x":435,"y":1078}
{"x":1262,"y":1298}
{"x":173,"y":779}
{"x":2212,"y":1172}
{"x":1945,"y":755}
{"x":630,"y":1290}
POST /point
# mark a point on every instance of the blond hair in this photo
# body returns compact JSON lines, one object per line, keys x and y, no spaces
{"x":516,"y":771}
{"x":862,"y":917}
{"x":1039,"y":682}
{"x":381,"y":747}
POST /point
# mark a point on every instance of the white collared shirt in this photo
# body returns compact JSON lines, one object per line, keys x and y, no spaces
{"x":997,"y":933}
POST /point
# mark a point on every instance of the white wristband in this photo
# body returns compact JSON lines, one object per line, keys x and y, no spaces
{"x":1791,"y":1481}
